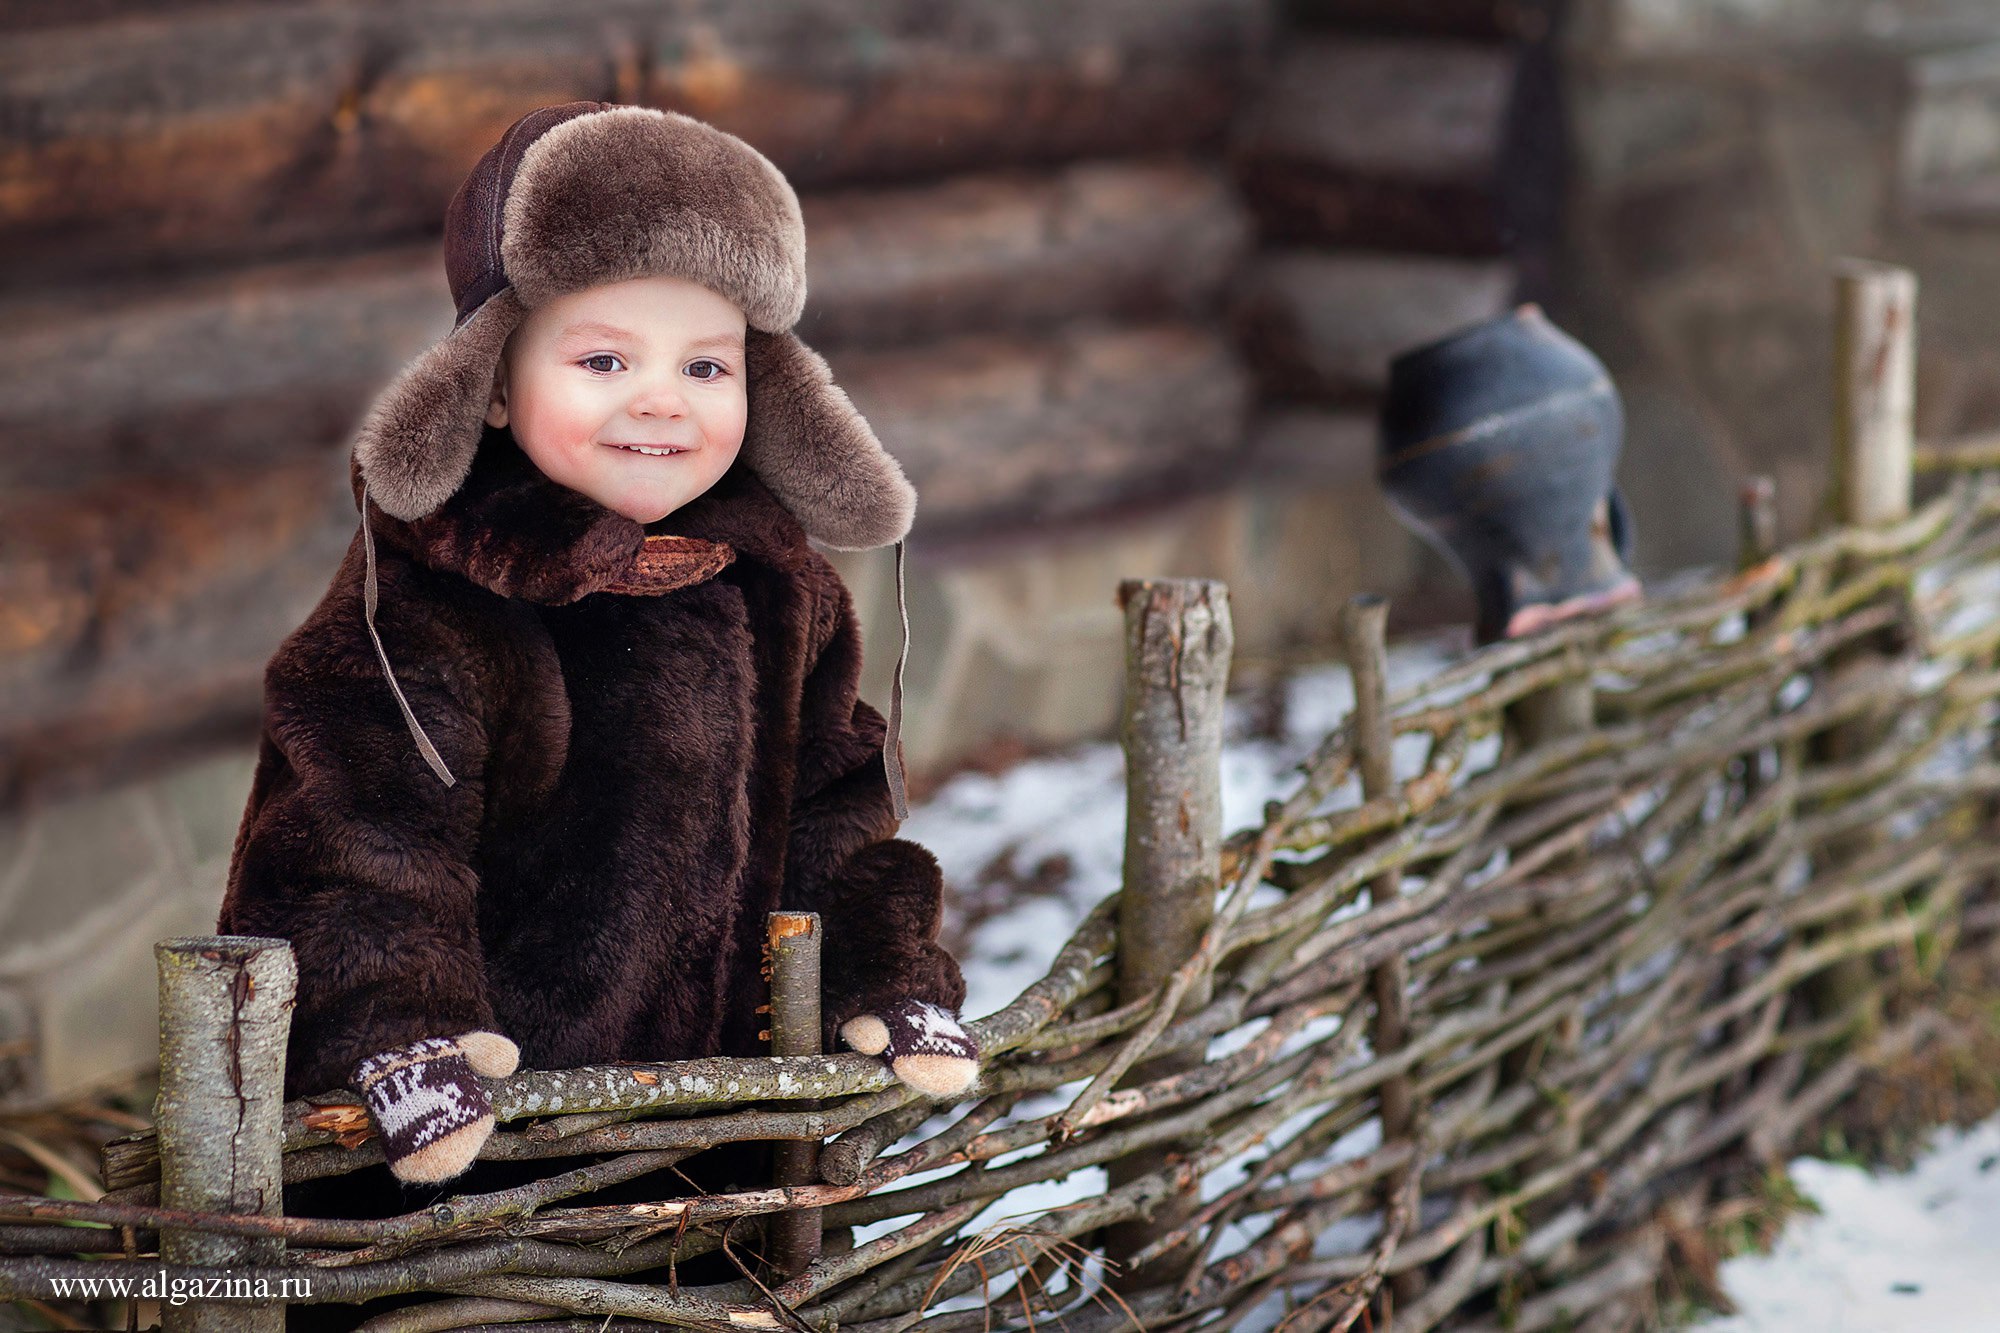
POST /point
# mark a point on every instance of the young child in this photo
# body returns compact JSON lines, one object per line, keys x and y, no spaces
{"x":580,"y":706}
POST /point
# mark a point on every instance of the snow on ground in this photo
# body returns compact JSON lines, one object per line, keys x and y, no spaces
{"x":1072,"y":805}
{"x":1911,"y":1252}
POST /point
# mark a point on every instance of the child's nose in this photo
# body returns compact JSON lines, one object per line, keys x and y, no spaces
{"x":659,"y":399}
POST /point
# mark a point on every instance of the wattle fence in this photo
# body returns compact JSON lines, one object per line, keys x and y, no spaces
{"x":1459,"y":1042}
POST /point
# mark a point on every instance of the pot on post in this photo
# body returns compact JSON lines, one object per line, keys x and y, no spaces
{"x":1499,"y":447}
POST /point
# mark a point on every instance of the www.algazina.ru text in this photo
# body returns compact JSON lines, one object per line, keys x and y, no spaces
{"x":165,"y":1287}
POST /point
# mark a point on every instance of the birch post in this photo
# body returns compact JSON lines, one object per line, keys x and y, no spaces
{"x":1178,"y":640}
{"x":225,"y":1016}
{"x":792,"y":941}
{"x":1874,"y":426}
{"x":1875,"y":390}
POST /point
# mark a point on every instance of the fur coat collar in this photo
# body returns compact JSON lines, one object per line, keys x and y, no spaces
{"x":512,"y":531}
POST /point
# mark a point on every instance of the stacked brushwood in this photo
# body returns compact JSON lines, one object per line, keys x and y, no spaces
{"x":1609,"y":952}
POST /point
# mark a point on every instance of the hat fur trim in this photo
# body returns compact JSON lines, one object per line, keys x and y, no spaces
{"x":816,"y":453}
{"x":635,"y":192}
{"x":803,"y":437}
{"x":418,"y":440}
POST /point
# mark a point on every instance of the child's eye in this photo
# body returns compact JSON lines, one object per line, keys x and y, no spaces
{"x":590,"y":362}
{"x":719,"y":369}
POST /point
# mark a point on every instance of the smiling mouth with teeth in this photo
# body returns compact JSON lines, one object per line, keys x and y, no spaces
{"x":649,"y":449}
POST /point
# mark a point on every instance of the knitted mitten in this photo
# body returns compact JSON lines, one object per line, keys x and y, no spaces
{"x":428,"y":1103}
{"x":924,"y":1045}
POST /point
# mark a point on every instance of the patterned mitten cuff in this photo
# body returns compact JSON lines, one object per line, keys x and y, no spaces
{"x":923,"y":1044}
{"x":433,"y":1112}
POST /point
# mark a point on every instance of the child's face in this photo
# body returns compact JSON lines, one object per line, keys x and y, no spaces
{"x":656,"y":362}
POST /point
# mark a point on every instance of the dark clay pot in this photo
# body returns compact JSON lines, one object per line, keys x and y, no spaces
{"x":1499,"y":444}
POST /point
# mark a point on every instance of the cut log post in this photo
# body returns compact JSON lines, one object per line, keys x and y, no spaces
{"x":792,"y":941}
{"x":225,"y":1016}
{"x":1363,"y":635}
{"x":1178,"y":640}
{"x":1875,"y":390}
{"x":1874,"y":422}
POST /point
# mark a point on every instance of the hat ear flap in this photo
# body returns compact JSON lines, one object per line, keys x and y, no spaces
{"x":817,"y":454}
{"x":418,"y":441}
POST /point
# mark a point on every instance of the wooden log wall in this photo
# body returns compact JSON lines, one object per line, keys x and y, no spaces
{"x":211,"y":134}
{"x":1401,"y":163}
{"x":1034,"y":250}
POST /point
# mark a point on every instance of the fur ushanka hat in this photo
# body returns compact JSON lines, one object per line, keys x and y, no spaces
{"x":587,"y":193}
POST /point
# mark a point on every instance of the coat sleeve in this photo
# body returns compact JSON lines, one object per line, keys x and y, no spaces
{"x":879,"y":896}
{"x":352,"y":849}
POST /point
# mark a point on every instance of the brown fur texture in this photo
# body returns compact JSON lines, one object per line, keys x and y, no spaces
{"x":418,"y":440}
{"x":845,"y":488}
{"x":679,"y":197}
{"x":641,"y":779}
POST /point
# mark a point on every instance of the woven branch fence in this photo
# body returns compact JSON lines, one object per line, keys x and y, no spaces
{"x":1452,"y":1042}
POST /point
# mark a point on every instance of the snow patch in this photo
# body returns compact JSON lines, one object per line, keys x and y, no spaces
{"x":1889,"y":1252}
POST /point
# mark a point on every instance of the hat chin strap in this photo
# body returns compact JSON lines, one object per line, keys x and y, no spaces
{"x":368,"y":600}
{"x":892,"y":742}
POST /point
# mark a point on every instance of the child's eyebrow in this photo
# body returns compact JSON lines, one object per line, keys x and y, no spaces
{"x":592,"y":329}
{"x":596,"y":330}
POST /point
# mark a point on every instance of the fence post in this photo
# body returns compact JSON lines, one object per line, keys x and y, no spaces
{"x":1565,"y":708}
{"x":1875,"y":390}
{"x":1178,"y":640}
{"x":225,"y":1016}
{"x":1364,"y":639}
{"x":1756,"y":543}
{"x":792,"y":941}
{"x":1874,"y":406}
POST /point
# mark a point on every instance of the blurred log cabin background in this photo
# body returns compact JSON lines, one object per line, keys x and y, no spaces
{"x":1118,"y":281}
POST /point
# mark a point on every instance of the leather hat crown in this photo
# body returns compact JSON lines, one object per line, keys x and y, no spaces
{"x":587,"y":193}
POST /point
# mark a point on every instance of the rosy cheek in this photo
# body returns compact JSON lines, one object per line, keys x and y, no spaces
{"x":562,"y":426}
{"x":728,"y":426}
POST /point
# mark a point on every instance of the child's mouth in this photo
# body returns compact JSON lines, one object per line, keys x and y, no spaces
{"x":651,"y":450}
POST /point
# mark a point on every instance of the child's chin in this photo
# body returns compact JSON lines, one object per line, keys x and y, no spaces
{"x":645,"y":506}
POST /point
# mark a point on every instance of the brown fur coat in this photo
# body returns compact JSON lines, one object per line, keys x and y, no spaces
{"x":642,"y":776}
